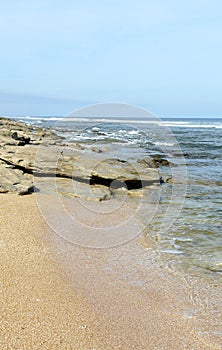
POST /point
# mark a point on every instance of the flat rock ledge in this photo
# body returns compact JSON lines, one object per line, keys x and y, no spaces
{"x":30,"y":156}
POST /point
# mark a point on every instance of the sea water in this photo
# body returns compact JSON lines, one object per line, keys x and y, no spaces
{"x":193,"y":242}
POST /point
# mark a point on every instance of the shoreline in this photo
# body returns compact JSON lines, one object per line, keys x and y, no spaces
{"x":78,"y":303}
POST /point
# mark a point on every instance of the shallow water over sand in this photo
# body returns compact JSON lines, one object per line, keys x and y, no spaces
{"x":134,"y":291}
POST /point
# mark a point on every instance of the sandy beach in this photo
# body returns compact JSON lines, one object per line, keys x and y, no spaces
{"x":111,"y":175}
{"x":55,"y":295}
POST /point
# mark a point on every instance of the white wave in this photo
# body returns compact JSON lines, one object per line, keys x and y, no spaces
{"x":24,"y":117}
{"x":167,"y":144}
{"x":37,"y":118}
{"x":106,"y":120}
{"x":159,"y":122}
{"x":175,"y":122}
{"x":190,"y":125}
{"x":134,"y":132}
{"x":162,"y":123}
{"x":95,"y":129}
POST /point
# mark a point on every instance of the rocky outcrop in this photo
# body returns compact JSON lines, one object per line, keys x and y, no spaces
{"x":28,"y":151}
{"x":159,"y":161}
{"x":18,"y":143}
{"x":14,"y":180}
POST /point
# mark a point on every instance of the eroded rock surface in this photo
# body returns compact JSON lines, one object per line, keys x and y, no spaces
{"x":27,"y":151}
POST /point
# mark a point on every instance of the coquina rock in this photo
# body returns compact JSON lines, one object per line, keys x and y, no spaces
{"x":27,"y":151}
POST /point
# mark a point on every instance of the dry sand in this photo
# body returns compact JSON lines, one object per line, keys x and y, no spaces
{"x":94,"y":310}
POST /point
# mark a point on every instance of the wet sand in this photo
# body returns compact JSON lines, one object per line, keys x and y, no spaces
{"x":55,"y":295}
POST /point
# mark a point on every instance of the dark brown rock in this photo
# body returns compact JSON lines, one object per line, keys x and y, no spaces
{"x":159,"y":161}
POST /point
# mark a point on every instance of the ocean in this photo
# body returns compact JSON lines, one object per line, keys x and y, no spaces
{"x":192,"y":241}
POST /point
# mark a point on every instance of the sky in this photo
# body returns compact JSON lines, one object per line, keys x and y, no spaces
{"x":165,"y":56}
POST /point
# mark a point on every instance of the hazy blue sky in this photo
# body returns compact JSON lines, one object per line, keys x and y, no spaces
{"x":163,"y":55}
